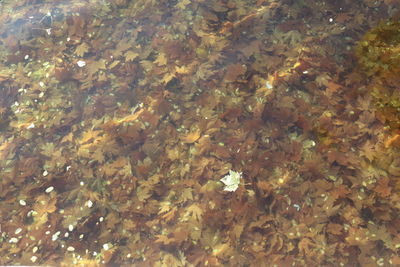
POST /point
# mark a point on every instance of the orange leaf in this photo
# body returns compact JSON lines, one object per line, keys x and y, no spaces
{"x":393,"y":141}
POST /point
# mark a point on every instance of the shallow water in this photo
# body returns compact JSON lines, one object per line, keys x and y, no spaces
{"x":195,"y":133}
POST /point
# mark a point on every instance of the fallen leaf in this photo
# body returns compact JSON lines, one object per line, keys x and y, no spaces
{"x":191,"y":137}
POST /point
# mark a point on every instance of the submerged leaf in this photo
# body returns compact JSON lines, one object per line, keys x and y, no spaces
{"x":232,"y":181}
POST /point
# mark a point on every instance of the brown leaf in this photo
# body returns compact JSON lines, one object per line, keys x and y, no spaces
{"x":233,"y":71}
{"x":383,"y":188}
{"x":335,"y":228}
{"x":164,"y":239}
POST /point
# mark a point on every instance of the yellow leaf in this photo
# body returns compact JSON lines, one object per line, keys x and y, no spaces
{"x":195,"y":211}
{"x":165,"y":206}
{"x":161,"y":59}
{"x":187,"y":194}
{"x":44,"y":204}
{"x":182,"y":4}
{"x":168,"y":77}
{"x":113,"y":64}
{"x":81,"y":49}
{"x":147,"y":65}
{"x":191,"y":137}
{"x":130,"y":55}
{"x":170,"y":214}
{"x":172,"y":153}
{"x":143,"y":193}
{"x":220,"y":249}
{"x":181,"y":70}
{"x":90,"y":136}
{"x":131,"y":118}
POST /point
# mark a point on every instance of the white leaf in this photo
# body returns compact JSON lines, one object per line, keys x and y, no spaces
{"x":231,"y":181}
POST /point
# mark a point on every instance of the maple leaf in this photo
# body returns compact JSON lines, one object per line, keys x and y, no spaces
{"x":143,"y":193}
{"x":168,"y":77}
{"x":122,"y":46}
{"x":305,"y":245}
{"x":323,"y":79}
{"x":187,"y":194}
{"x":211,"y":238}
{"x":195,"y":212}
{"x":161,"y":59}
{"x":204,"y":71}
{"x":173,"y":153}
{"x":165,"y":206}
{"x":231,"y":181}
{"x":170,"y":214}
{"x":43,"y":206}
{"x":182,"y":70}
{"x":164,"y":239}
{"x":95,"y":66}
{"x":233,"y":71}
{"x":182,"y":4}
{"x":335,"y":228}
{"x":368,"y":150}
{"x":383,"y":188}
{"x":7,"y":149}
{"x":130,"y":55}
{"x":81,"y":49}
